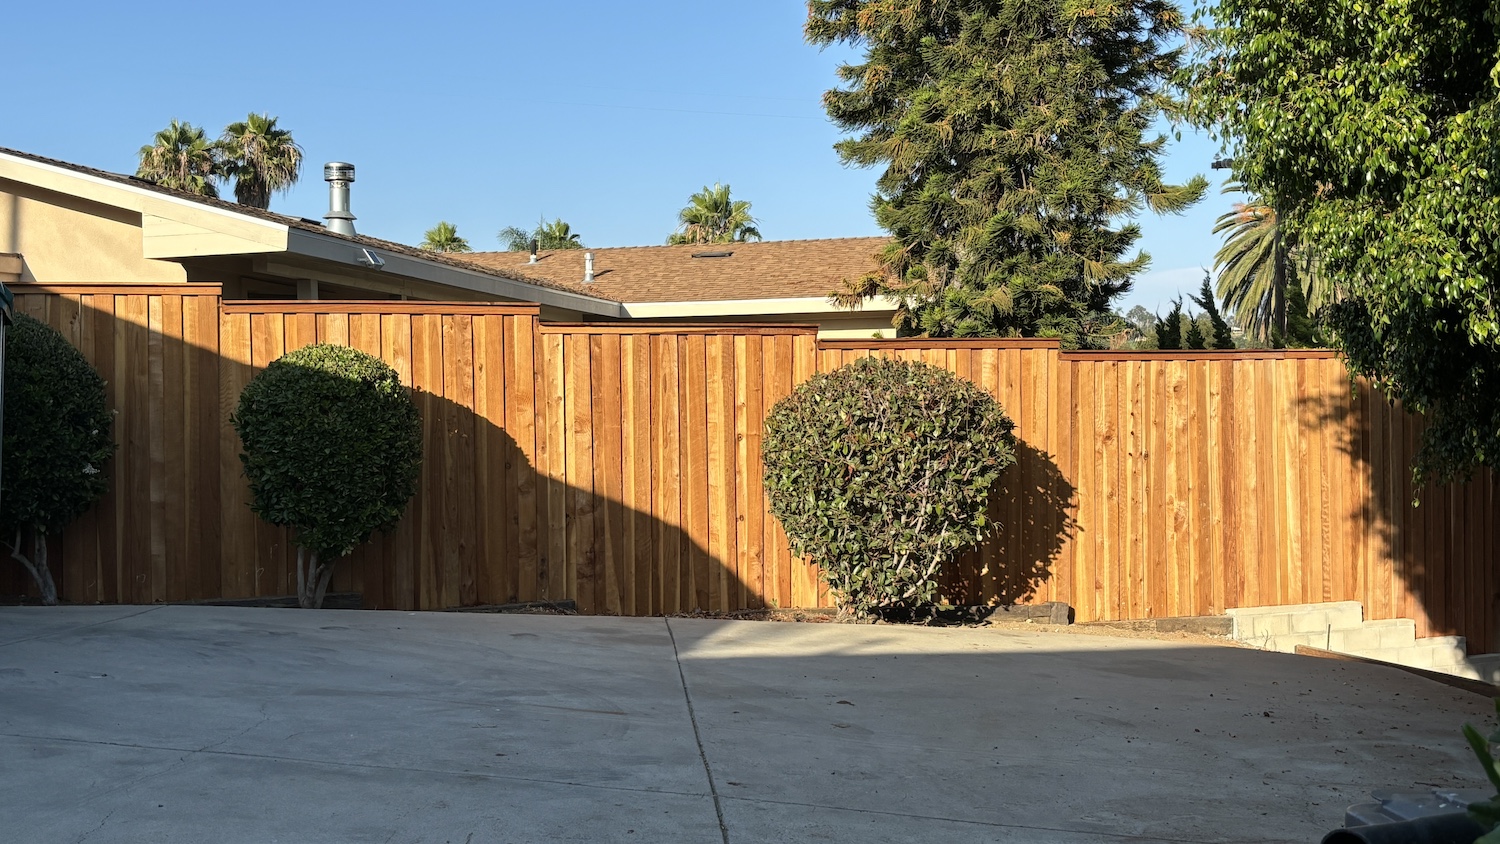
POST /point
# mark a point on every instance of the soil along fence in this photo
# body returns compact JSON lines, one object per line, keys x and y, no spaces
{"x":618,"y":465}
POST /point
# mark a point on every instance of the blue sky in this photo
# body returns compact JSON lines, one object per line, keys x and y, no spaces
{"x":606,"y":114}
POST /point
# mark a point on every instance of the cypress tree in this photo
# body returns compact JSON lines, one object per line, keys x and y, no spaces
{"x":1013,"y":134}
{"x":1169,"y":330}
{"x":1223,"y":336}
{"x":1195,"y":338}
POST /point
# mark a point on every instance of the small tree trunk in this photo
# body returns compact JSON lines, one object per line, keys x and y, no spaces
{"x":36,"y":564}
{"x":313,"y":575}
{"x":301,"y":575}
{"x":307,"y":562}
{"x":324,"y":575}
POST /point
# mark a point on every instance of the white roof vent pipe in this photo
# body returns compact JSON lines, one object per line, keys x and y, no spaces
{"x":588,"y":268}
{"x":339,"y":175}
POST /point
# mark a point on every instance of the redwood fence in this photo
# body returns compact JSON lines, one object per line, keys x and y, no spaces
{"x":619,"y":465}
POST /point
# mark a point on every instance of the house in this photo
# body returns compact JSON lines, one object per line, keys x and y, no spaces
{"x":777,"y":281}
{"x":62,"y":223}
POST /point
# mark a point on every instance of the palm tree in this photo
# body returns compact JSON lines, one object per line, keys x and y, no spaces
{"x":262,"y":158}
{"x":1256,"y":264}
{"x":553,"y":235}
{"x":443,"y":237}
{"x":182,"y":157}
{"x":712,"y":217}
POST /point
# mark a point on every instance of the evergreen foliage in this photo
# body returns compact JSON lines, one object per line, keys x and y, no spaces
{"x":1169,"y":329}
{"x":881,"y":471}
{"x":1301,"y":329}
{"x":332,"y":447}
{"x":57,"y":443}
{"x":1223,"y":336}
{"x":1195,"y":338}
{"x":1013,"y":137}
{"x":1376,"y":125}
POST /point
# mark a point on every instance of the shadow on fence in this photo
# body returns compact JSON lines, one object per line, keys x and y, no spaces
{"x":1434,"y":546}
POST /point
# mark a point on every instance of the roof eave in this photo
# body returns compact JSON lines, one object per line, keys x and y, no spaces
{"x":752,"y":307}
{"x":340,"y":251}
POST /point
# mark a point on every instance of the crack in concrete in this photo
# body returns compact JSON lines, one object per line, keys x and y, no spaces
{"x":264,"y":717}
{"x":102,"y":822}
{"x":76,"y":629}
{"x":697,"y":735}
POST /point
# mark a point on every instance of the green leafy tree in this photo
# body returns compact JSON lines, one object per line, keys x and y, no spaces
{"x":182,"y":157}
{"x":1377,"y":128}
{"x":1223,"y":336}
{"x":332,"y":446}
{"x":1169,"y":328}
{"x":1013,"y":136}
{"x":881,"y":471}
{"x":262,"y":158}
{"x":548,"y":236}
{"x":712,"y":216}
{"x":443,"y":237}
{"x":1142,"y":326}
{"x":57,"y":443}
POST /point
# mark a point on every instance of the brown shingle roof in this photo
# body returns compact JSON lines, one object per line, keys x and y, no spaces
{"x":311,"y":226}
{"x":776,"y":269}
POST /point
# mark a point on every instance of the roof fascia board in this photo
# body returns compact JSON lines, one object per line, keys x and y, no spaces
{"x":117,"y":194}
{"x":337,"y":250}
{"x":752,"y":307}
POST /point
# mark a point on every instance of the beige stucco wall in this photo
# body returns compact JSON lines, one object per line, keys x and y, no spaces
{"x":67,"y":240}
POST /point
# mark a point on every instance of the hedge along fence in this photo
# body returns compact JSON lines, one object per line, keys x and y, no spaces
{"x":618,"y":465}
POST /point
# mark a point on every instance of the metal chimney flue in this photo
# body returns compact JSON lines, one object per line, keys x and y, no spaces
{"x":588,"y":267}
{"x":339,"y":175}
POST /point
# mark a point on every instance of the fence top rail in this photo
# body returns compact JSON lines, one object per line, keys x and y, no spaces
{"x":408,"y":307}
{"x":922,"y":343}
{"x":118,"y":289}
{"x":1171,"y":355}
{"x":642,"y":327}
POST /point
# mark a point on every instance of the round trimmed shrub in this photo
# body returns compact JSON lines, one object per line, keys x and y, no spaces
{"x":881,"y":472}
{"x":57,"y":443}
{"x":332,"y":447}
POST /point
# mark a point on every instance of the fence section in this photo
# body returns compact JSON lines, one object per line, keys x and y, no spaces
{"x":618,"y":465}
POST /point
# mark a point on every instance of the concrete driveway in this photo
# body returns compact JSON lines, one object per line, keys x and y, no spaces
{"x":198,"y":724}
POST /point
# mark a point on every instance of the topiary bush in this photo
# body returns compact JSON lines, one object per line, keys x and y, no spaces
{"x":332,"y":447}
{"x":57,"y":443}
{"x":881,"y":472}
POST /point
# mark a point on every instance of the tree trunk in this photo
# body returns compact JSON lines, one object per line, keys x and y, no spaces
{"x":36,"y":564}
{"x":313,"y":575}
{"x":307,"y":564}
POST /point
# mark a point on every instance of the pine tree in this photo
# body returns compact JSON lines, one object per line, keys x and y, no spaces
{"x":1223,"y":336}
{"x":1013,"y":134}
{"x":1169,"y":330}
